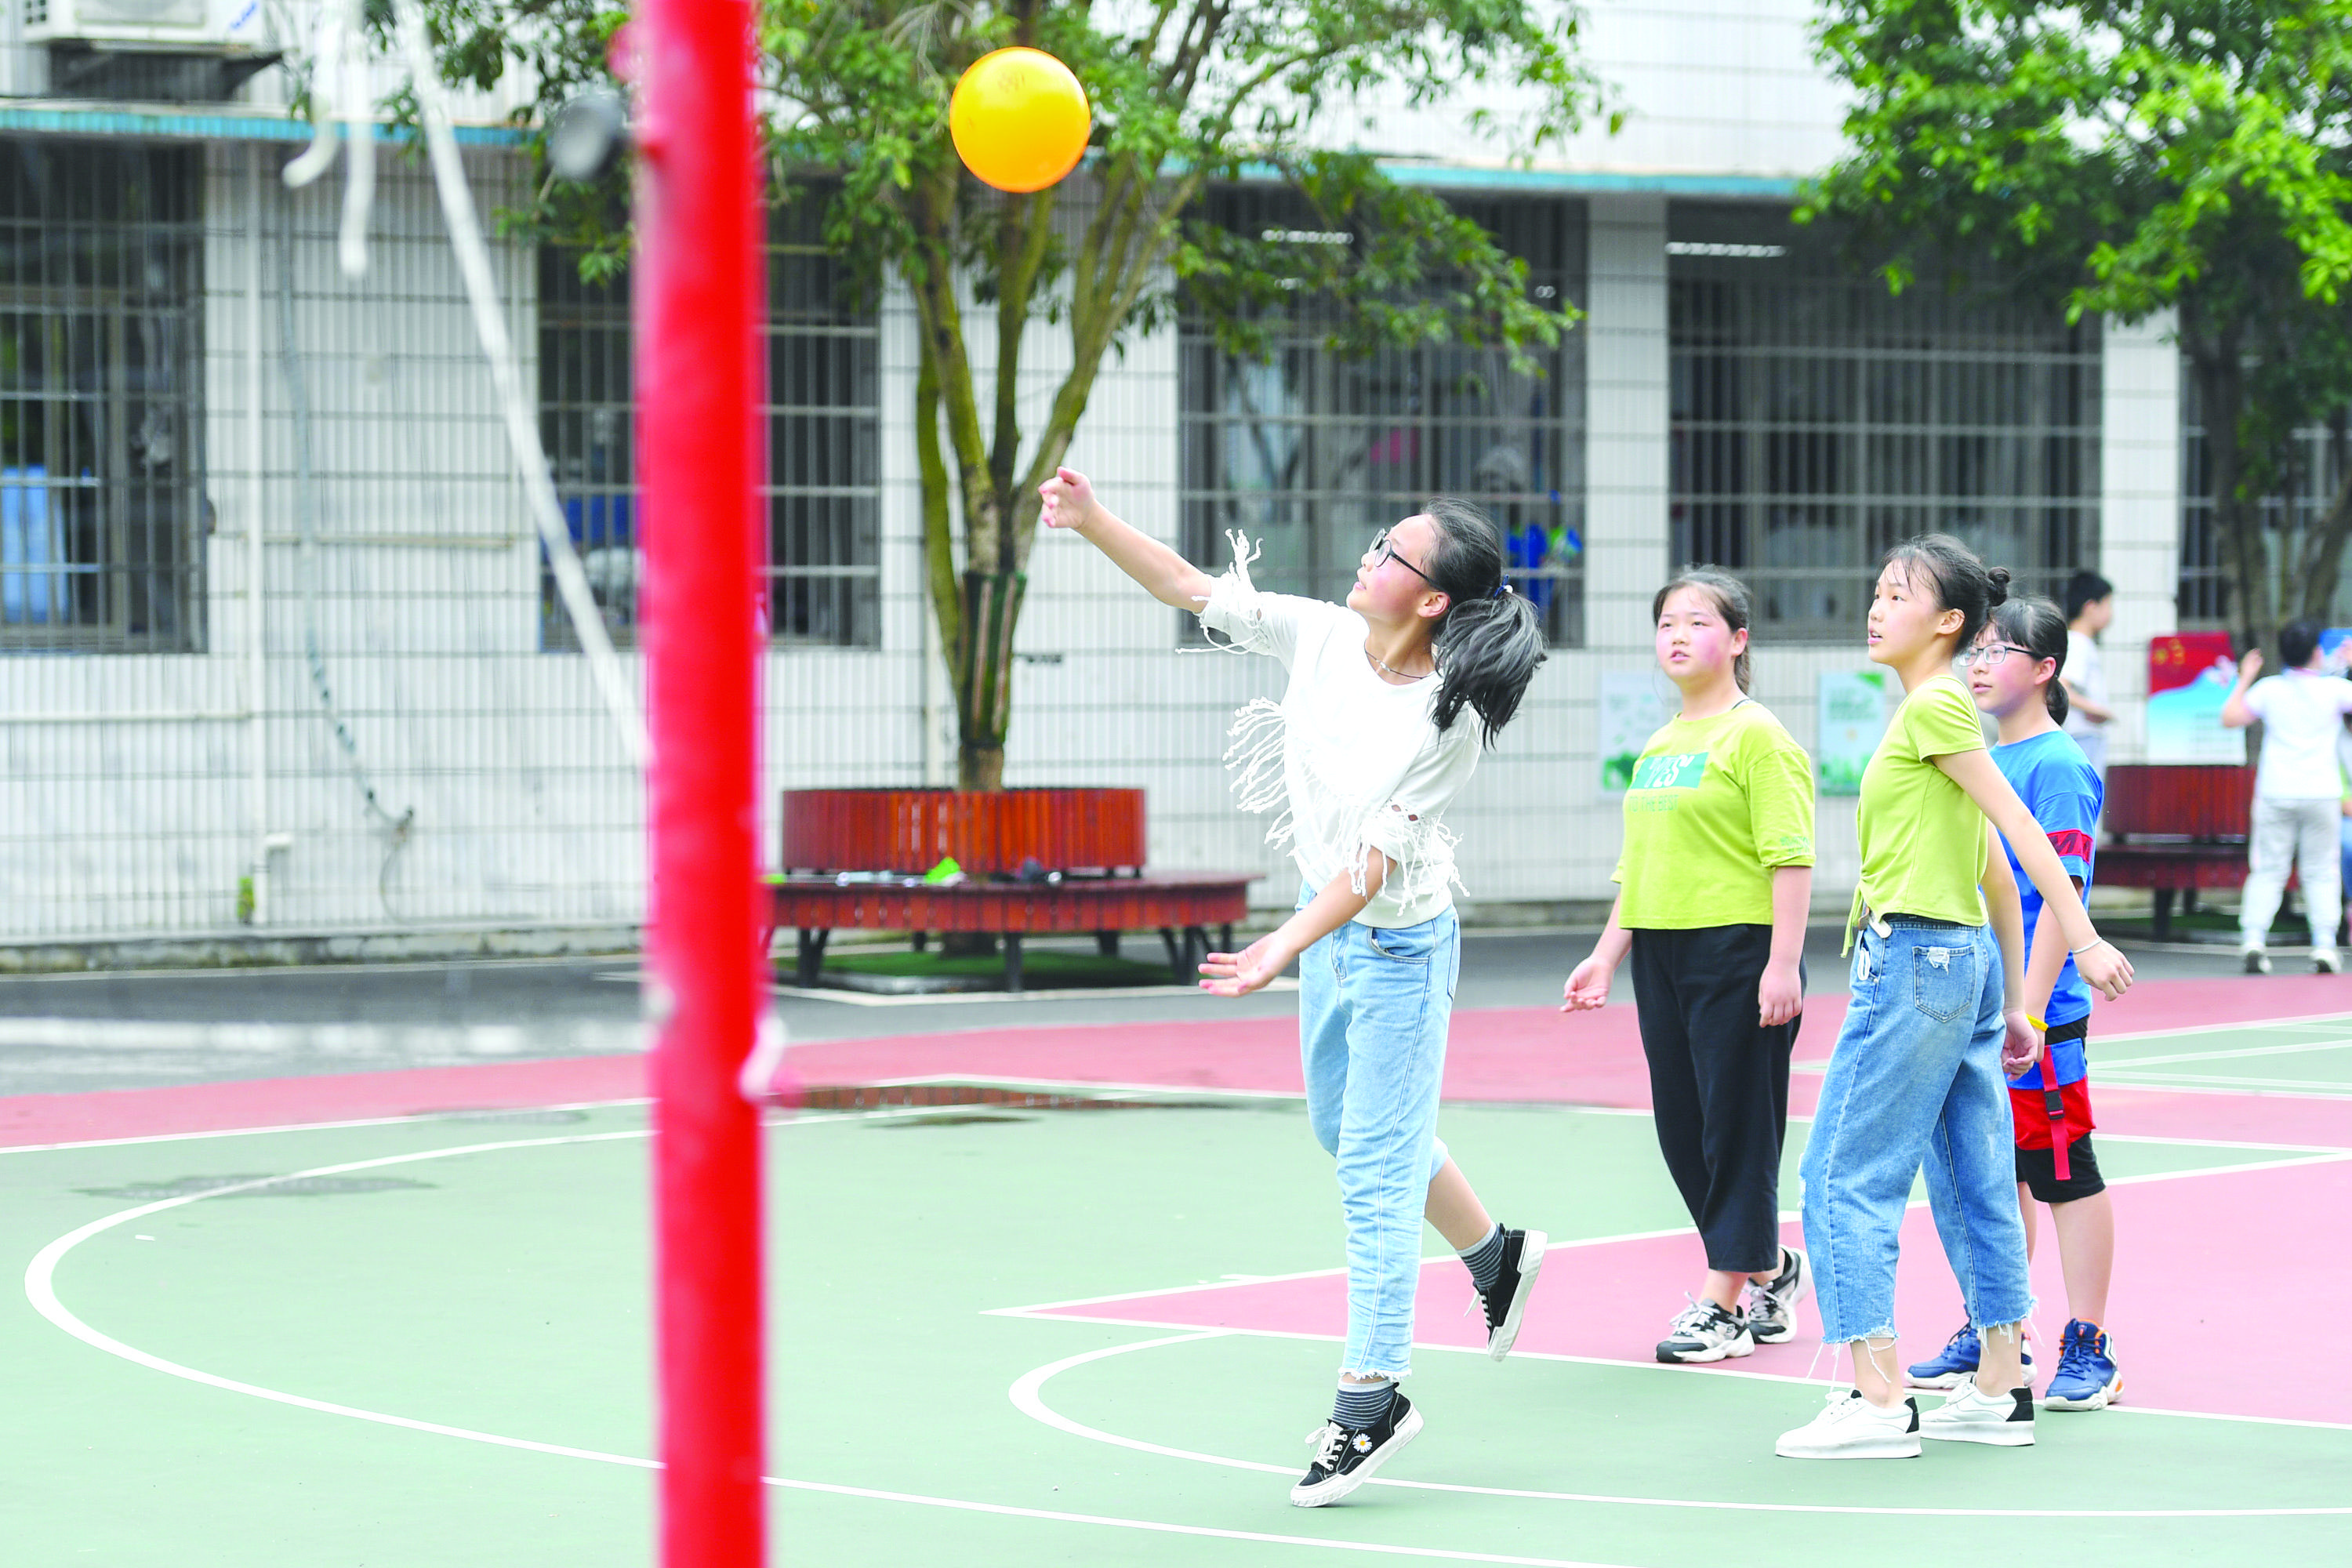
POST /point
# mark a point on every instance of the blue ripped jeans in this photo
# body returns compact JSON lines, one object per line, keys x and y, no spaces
{"x":1915,"y":1080}
{"x":1373,"y":1007}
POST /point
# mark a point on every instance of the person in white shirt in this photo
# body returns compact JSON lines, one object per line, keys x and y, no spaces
{"x":2298,"y":791}
{"x":1389,"y":702}
{"x":2090,"y":607}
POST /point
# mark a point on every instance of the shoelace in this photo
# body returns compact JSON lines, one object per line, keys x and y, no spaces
{"x":1328,"y":1440}
{"x":1695,"y":1315}
{"x":2074,"y":1356}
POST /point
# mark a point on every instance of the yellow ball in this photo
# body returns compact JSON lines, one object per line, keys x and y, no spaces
{"x":1019,"y":120}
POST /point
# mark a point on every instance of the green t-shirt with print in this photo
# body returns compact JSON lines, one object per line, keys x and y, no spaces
{"x":1717,"y":805}
{"x":1923,"y":839}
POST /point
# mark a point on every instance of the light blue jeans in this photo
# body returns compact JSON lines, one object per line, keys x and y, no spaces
{"x":1915,"y":1079}
{"x":1372,"y":1011}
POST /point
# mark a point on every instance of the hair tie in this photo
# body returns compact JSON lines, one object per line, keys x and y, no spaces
{"x":1501,"y":591}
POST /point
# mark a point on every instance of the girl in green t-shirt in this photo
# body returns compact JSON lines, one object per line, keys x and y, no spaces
{"x":1715,"y":880}
{"x":1935,"y":1024}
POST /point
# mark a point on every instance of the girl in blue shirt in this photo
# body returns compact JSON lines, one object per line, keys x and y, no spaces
{"x":2013,"y":675}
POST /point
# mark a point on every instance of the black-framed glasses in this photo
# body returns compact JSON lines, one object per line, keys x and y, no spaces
{"x":1991,"y":654}
{"x":1383,"y":553}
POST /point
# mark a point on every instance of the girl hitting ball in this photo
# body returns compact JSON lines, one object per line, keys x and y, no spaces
{"x":1938,"y":1010}
{"x":2013,"y":673}
{"x":1389,"y":702}
{"x":1715,"y":881}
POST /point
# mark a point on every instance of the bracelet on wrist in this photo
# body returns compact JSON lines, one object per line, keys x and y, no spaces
{"x":2095,"y":941}
{"x":2037,"y":1023}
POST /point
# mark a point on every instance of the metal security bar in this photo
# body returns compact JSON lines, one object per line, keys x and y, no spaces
{"x":1817,"y":420}
{"x":823,"y":495}
{"x":102,"y":456}
{"x":1311,"y":453}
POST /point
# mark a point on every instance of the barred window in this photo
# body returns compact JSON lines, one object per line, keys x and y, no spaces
{"x":822,"y":494}
{"x":2315,"y":473}
{"x":1312,"y":454}
{"x":102,"y":472}
{"x":1817,"y":420}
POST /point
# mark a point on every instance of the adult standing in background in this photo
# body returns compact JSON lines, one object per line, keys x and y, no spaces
{"x":2298,"y":791}
{"x":2090,"y":606}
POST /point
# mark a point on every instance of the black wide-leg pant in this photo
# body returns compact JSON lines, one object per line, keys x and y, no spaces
{"x":1718,"y":1084}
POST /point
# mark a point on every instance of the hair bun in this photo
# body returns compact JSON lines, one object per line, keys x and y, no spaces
{"x":1999,"y":597}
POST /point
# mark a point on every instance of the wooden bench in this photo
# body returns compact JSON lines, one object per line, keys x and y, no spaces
{"x":1181,"y":906}
{"x":1035,"y":862}
{"x":2176,"y":829}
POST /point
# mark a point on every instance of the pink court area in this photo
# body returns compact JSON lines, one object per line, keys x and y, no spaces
{"x":1610,"y":1300}
{"x":1531,"y":1053}
{"x":1606,"y":1299}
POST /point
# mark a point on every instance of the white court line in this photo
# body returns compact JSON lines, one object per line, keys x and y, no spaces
{"x":1027,"y":1394}
{"x":499,"y":1040}
{"x":2292,"y":1049}
{"x":1063,"y":993}
{"x":40,"y":1288}
{"x":2218,"y":1083}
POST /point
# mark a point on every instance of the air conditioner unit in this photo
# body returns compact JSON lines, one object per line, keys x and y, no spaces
{"x":188,"y":27}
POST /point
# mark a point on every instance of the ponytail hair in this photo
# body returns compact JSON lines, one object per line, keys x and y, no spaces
{"x":2039,"y":627}
{"x":1490,"y":639}
{"x":1730,"y":596}
{"x":1962,"y":581}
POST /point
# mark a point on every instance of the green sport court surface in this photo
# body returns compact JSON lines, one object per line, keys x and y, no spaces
{"x":1001,"y":1334}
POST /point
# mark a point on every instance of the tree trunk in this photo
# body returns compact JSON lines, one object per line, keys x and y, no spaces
{"x":983,"y":674}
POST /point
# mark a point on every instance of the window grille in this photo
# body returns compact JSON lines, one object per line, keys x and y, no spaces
{"x":102,"y":471}
{"x":822,"y":494}
{"x":2205,"y":602}
{"x":1817,"y":420}
{"x":1312,"y":454}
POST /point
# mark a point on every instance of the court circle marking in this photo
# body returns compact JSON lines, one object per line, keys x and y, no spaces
{"x":40,"y":1291}
{"x":1027,"y":1394}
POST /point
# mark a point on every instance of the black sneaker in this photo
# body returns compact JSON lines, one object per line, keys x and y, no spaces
{"x":1771,"y":1308}
{"x":1507,"y":1303}
{"x":1346,"y":1458}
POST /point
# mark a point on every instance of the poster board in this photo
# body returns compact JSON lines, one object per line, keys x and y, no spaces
{"x":1633,"y":704}
{"x":1852,"y":713}
{"x":2190,"y":675}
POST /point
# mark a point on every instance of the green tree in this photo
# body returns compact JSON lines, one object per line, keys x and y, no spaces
{"x":1184,"y":93}
{"x":2124,"y":158}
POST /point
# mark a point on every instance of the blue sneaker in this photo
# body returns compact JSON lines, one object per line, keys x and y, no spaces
{"x":2086,"y":1378}
{"x":1952,"y":1365}
{"x":1955,"y":1363}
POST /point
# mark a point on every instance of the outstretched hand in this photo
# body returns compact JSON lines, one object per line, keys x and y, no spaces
{"x":1252,"y":969}
{"x":1069,"y":500}
{"x":2250,"y":666}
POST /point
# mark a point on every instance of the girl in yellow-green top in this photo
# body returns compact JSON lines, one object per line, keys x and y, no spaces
{"x":1920,"y":1073}
{"x":1715,"y":880}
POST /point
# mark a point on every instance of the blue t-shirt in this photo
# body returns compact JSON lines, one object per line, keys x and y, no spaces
{"x":2061,"y":789}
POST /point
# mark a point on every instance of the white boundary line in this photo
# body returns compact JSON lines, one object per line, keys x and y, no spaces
{"x":2292,"y":1049}
{"x":41,"y":1291}
{"x":1027,"y":1396}
{"x":40,"y":1288}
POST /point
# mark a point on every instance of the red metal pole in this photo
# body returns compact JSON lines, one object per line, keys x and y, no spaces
{"x":698,"y":304}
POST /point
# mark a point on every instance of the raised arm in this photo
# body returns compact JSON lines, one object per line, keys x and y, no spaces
{"x":2235,"y":714}
{"x":2104,"y":968}
{"x":1069,"y":502}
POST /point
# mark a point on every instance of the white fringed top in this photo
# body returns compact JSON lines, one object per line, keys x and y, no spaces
{"x":1354,"y":761}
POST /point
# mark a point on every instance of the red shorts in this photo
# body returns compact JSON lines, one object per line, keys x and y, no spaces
{"x":2030,"y":1113}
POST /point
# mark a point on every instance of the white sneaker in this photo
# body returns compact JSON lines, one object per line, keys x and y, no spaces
{"x":1705,"y":1331}
{"x":1971,"y":1415}
{"x":2255,"y":960}
{"x":2325,"y":962}
{"x":1852,"y":1428}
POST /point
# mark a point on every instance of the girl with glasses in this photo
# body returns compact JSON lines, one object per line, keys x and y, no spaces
{"x":2014,"y":674}
{"x":1938,"y":1011}
{"x":1389,"y":701}
{"x":1715,"y":884}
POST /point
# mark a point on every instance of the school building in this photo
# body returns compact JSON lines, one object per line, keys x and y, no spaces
{"x":278,"y":655}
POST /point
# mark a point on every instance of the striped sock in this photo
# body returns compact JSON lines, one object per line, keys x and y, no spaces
{"x":1360,"y":1405}
{"x":1485,"y":1261}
